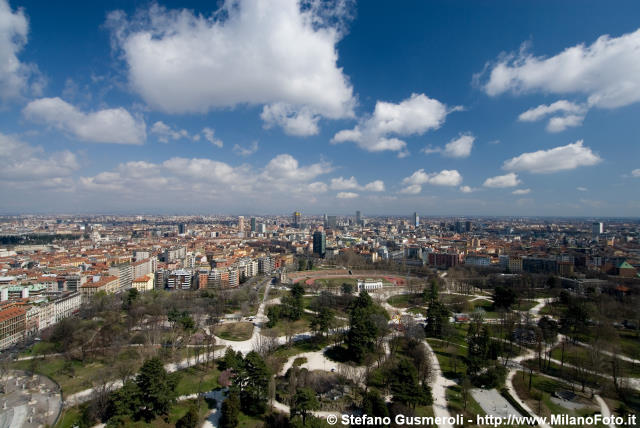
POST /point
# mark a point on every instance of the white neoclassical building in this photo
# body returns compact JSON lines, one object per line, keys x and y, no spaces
{"x":369,"y":284}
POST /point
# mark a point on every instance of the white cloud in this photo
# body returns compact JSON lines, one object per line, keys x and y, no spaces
{"x":521,"y":191}
{"x":114,"y":125}
{"x":560,"y":158}
{"x":300,"y":123}
{"x":375,"y":186}
{"x":209,"y":136}
{"x":22,"y":162}
{"x":283,"y":177}
{"x":165,"y":132}
{"x":248,"y":52}
{"x":14,"y":74}
{"x":351,"y":183}
{"x":560,"y":123}
{"x":635,"y":172}
{"x":342,"y":183}
{"x":508,"y":180}
{"x":413,"y":116}
{"x":318,"y":187}
{"x":467,"y":189}
{"x":572,"y":115}
{"x":582,"y":189}
{"x":537,"y":113}
{"x":346,"y":195}
{"x":607,"y":72}
{"x":445,"y":177}
{"x":459,"y":147}
{"x":245,"y":151}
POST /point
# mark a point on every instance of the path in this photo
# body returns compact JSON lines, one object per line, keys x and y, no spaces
{"x":439,"y":389}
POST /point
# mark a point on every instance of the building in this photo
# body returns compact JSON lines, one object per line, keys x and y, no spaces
{"x":416,"y":219}
{"x":358,"y":217}
{"x":68,"y":304}
{"x":179,"y":279}
{"x":143,"y":267}
{"x":369,"y":284}
{"x":477,"y":260}
{"x":182,"y":228}
{"x":297,"y":219}
{"x":265,"y":265}
{"x":143,"y":283}
{"x":241,"y":225}
{"x":124,"y":273}
{"x":105,"y":284}
{"x":515,"y":264}
{"x":319,"y":243}
{"x":12,"y":325}
{"x":597,"y":229}
{"x":332,"y":221}
{"x":253,"y":224}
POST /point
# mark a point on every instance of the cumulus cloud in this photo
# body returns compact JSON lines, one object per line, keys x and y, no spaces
{"x":283,"y":175}
{"x":412,"y":116}
{"x":607,"y":72}
{"x":446,"y":177}
{"x":346,"y":195}
{"x":209,"y":136}
{"x":521,"y":191}
{"x":459,"y":147}
{"x":248,"y":52}
{"x":300,"y":123}
{"x":245,"y":151}
{"x":560,"y":158}
{"x":164,"y":132}
{"x":15,"y":75}
{"x":635,"y":172}
{"x":22,"y":162}
{"x":351,"y":183}
{"x":467,"y":189}
{"x":582,"y":189}
{"x":115,"y":125}
{"x":565,"y":115}
{"x":507,"y":180}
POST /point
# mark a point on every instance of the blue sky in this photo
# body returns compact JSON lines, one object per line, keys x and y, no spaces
{"x":250,"y":107}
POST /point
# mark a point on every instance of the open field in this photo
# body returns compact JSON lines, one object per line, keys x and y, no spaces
{"x":238,"y":331}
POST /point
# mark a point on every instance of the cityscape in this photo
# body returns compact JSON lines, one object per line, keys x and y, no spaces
{"x":310,"y":213}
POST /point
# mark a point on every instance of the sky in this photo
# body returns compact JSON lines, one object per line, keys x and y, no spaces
{"x":461,"y":108}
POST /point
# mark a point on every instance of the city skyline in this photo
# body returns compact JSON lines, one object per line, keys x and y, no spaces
{"x":442,"y":109}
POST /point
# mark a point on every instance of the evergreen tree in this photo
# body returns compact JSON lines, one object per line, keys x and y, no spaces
{"x":304,"y":401}
{"x":189,"y":420}
{"x":321,"y":323}
{"x":437,"y":319}
{"x":229,"y":410}
{"x":405,"y":386}
{"x":252,"y":379}
{"x":157,"y":389}
{"x":362,"y":333}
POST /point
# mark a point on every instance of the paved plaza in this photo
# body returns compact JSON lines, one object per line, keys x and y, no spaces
{"x":28,"y":401}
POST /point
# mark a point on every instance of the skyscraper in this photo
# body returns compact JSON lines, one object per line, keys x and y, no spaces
{"x":416,"y":219}
{"x":182,"y":228}
{"x":358,"y":217}
{"x":253,"y":224}
{"x":241,"y":223}
{"x":319,"y":243}
{"x":597,"y":229}
{"x":297,"y":216}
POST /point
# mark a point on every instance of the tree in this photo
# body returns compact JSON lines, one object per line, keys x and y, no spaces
{"x":373,"y":404}
{"x":157,"y":388}
{"x":405,"y":386}
{"x":321,"y":323}
{"x":230,"y":410}
{"x":362,"y":334}
{"x":437,"y":319}
{"x":503,"y":297}
{"x":347,"y":288}
{"x":304,"y":401}
{"x":190,"y":419}
{"x":465,"y":391}
{"x":252,"y":379}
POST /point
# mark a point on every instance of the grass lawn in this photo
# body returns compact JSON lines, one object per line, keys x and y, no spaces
{"x":547,"y":386}
{"x":405,"y":300}
{"x":68,"y":418}
{"x":246,"y":421}
{"x":630,"y":344}
{"x":455,"y":404}
{"x":524,"y":305}
{"x":580,"y":356}
{"x":198,"y":379}
{"x":452,"y":366}
{"x":337,"y":282}
{"x":234,"y":331}
{"x":284,"y":327}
